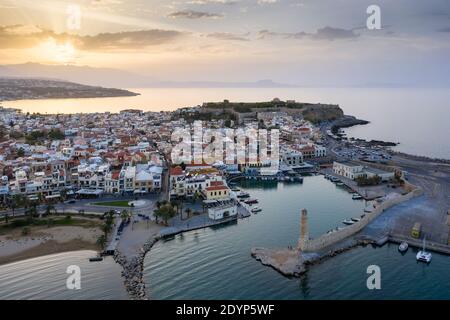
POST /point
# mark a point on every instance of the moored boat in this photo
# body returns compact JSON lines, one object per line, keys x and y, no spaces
{"x":256,"y":209}
{"x":403,"y":247}
{"x":95,"y":259}
{"x":251,"y":201}
{"x":348,"y":222}
{"x":243,"y":194}
{"x":423,"y":255}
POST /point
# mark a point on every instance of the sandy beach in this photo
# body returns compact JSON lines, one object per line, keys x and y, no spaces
{"x":42,"y":241}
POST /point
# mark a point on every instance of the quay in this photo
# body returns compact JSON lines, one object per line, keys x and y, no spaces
{"x":431,"y":245}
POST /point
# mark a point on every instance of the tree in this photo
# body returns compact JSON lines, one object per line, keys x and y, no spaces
{"x":166,"y":212}
{"x":50,"y":207}
{"x":106,"y":229}
{"x":6,"y":218}
{"x":101,"y":241}
{"x":20,"y":153}
{"x":124,"y":214}
{"x":188,"y":212}
{"x":3,"y":132}
{"x":56,"y":134}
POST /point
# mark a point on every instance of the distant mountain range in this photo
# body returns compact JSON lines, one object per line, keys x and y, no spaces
{"x":116,"y":78}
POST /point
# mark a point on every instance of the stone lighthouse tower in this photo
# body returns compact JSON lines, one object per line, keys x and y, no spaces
{"x":304,"y":231}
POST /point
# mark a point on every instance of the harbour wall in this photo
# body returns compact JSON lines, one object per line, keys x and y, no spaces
{"x":326,"y":240}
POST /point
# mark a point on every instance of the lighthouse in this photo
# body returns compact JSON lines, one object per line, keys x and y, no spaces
{"x":304,"y":231}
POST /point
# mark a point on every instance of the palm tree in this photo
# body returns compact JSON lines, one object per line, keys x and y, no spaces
{"x":101,"y":241}
{"x":17,"y":202}
{"x":188,"y":212}
{"x":124,"y":214}
{"x":106,"y":228}
{"x":6,"y":218}
{"x":50,"y":207}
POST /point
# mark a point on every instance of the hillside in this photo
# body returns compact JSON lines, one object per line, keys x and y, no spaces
{"x":314,"y":112}
{"x":19,"y":89}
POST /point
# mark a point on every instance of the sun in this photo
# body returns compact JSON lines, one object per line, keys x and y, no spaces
{"x":53,"y":51}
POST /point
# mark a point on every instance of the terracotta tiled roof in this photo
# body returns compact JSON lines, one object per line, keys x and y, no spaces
{"x":177,"y":171}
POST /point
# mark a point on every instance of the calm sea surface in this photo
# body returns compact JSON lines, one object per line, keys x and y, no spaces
{"x":45,"y":278}
{"x":417,"y":118}
{"x":216,"y":263}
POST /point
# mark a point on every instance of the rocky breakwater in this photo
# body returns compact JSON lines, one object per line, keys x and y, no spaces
{"x":289,"y":262}
{"x":133,"y":271}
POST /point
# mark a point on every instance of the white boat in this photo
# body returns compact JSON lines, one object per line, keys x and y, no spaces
{"x":403,"y":247}
{"x":356,"y":219}
{"x":256,"y":209}
{"x":422,"y":255}
{"x":356,"y":196}
{"x":348,"y":222}
{"x":340,"y":184}
{"x":243,"y":194}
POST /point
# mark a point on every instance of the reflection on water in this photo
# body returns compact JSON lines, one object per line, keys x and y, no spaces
{"x":45,"y":278}
{"x":216,"y":263}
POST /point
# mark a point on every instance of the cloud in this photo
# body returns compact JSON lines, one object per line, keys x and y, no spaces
{"x":326,"y":33}
{"x":447,"y":29}
{"x":24,"y":36}
{"x":263,"y":2}
{"x":227,"y":36}
{"x":205,"y":2}
{"x":191,"y":14}
{"x":329,"y":33}
{"x":129,"y":39}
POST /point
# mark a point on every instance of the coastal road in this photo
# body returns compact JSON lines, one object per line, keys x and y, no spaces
{"x":89,"y":208}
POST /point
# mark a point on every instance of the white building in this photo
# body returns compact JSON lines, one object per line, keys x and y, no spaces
{"x":348,"y":169}
{"x":353,"y":170}
{"x":219,"y":210}
{"x":320,"y":151}
{"x":292,"y":158}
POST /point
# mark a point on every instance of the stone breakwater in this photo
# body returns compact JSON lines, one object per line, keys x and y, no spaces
{"x":133,"y":271}
{"x":329,"y":239}
{"x":288,"y":262}
{"x":294,"y":263}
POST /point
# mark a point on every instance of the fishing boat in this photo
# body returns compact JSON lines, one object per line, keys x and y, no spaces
{"x":356,"y":196}
{"x":95,"y":259}
{"x":403,"y":247}
{"x":356,"y":219}
{"x":348,"y":222}
{"x":256,"y":209}
{"x":243,"y":194}
{"x":251,"y":201}
{"x":422,"y":255}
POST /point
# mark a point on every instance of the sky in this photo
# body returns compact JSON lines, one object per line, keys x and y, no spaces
{"x":306,"y":42}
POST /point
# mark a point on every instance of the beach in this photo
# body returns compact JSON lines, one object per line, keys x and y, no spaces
{"x":43,"y":241}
